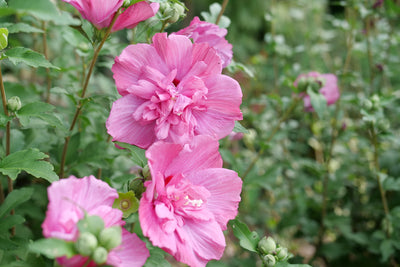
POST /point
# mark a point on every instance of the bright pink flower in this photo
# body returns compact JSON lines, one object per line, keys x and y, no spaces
{"x":189,"y":200}
{"x":172,"y":90}
{"x":206,"y":32}
{"x":101,"y":12}
{"x":69,"y":199}
{"x":329,"y":88}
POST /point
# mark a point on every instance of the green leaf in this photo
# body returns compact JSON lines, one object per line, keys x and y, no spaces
{"x":156,"y":258}
{"x":29,"y":57}
{"x":15,"y":198}
{"x":20,"y":27}
{"x":38,"y":110}
{"x":3,"y":3}
{"x":3,"y":38}
{"x":391,"y":183}
{"x":10,"y":221}
{"x":42,"y":9}
{"x":318,"y":102}
{"x":386,"y":249}
{"x":29,"y":160}
{"x":138,"y":154}
{"x":248,"y":240}
{"x":4,"y":119}
{"x":53,"y":248}
{"x":211,"y":16}
{"x":239,"y":128}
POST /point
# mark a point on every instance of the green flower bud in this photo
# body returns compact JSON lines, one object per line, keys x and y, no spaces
{"x":269,"y":260}
{"x":111,"y":237}
{"x":281,"y":253}
{"x":367,"y":104}
{"x":179,"y":9}
{"x":146,"y":171}
{"x":95,"y":224}
{"x":100,"y":255}
{"x":267,"y":245}
{"x":136,"y":185}
{"x":302,"y":84}
{"x":14,"y":103}
{"x":86,"y":244}
{"x":126,"y":3}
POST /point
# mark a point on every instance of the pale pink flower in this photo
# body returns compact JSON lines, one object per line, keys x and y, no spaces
{"x":69,"y":199}
{"x":172,"y":90}
{"x":189,"y":200}
{"x":329,"y":88}
{"x":206,"y":32}
{"x":101,"y":12}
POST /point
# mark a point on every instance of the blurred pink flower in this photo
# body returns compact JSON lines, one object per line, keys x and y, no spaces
{"x":69,"y":199}
{"x":189,"y":200}
{"x":329,"y":88}
{"x":235,"y":136}
{"x":101,"y":12}
{"x":206,"y":32}
{"x":172,"y":90}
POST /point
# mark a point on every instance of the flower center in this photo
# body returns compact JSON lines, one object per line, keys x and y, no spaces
{"x":125,"y":204}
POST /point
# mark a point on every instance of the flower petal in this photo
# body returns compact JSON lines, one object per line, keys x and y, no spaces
{"x":124,"y":128}
{"x":134,"y":14}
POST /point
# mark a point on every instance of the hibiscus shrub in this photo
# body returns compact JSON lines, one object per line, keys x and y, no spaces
{"x":171,"y":133}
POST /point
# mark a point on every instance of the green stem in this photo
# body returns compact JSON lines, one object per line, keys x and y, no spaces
{"x":45,"y":52}
{"x":374,"y":140}
{"x":8,"y":134}
{"x":83,"y":93}
{"x":271,"y":135}
{"x":224,"y":4}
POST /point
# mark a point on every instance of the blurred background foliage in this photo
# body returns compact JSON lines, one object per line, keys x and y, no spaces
{"x":325,"y":187}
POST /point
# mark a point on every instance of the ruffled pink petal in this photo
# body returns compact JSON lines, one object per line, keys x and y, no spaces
{"x":224,"y":186}
{"x":175,"y":50}
{"x":129,"y":66}
{"x":201,"y":153}
{"x":200,"y":243}
{"x":331,"y":89}
{"x":122,"y":126}
{"x":151,"y":227}
{"x":203,"y":52}
{"x":75,"y":261}
{"x":131,"y":253}
{"x":160,"y":155}
{"x":135,"y":14}
{"x":69,"y":199}
{"x":98,"y":12}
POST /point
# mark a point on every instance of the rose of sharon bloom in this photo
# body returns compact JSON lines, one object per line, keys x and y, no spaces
{"x":69,"y":199}
{"x":101,"y":12}
{"x":329,"y":88}
{"x":172,"y":90}
{"x":206,"y":32}
{"x":189,"y":200}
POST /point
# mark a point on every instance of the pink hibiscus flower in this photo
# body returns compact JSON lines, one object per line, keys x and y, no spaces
{"x":206,"y":32}
{"x":189,"y":200}
{"x":329,"y":88}
{"x":172,"y":90}
{"x":101,"y":12}
{"x":69,"y":199}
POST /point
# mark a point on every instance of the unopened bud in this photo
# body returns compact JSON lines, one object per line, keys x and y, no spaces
{"x":281,"y":253}
{"x":267,"y":245}
{"x":269,"y":260}
{"x":367,"y":104}
{"x":95,"y":224}
{"x":302,"y":84}
{"x":126,"y":3}
{"x":86,"y":244}
{"x":136,"y":185}
{"x":179,"y":9}
{"x":100,"y":255}
{"x":146,"y":172}
{"x":14,"y":103}
{"x":111,"y":237}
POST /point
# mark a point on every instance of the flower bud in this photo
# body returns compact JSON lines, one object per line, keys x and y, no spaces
{"x":14,"y":103}
{"x":302,"y":84}
{"x":111,"y":237}
{"x":179,"y":9}
{"x":95,"y":224}
{"x":146,"y":171}
{"x":86,"y":244}
{"x":136,"y":185}
{"x":269,"y":260}
{"x":267,"y":245}
{"x":367,"y":104}
{"x":281,"y":253}
{"x":100,"y":255}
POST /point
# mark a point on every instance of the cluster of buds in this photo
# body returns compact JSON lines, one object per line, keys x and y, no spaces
{"x":271,"y":253}
{"x":95,"y":241}
{"x":372,"y":111}
{"x":171,"y":12}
